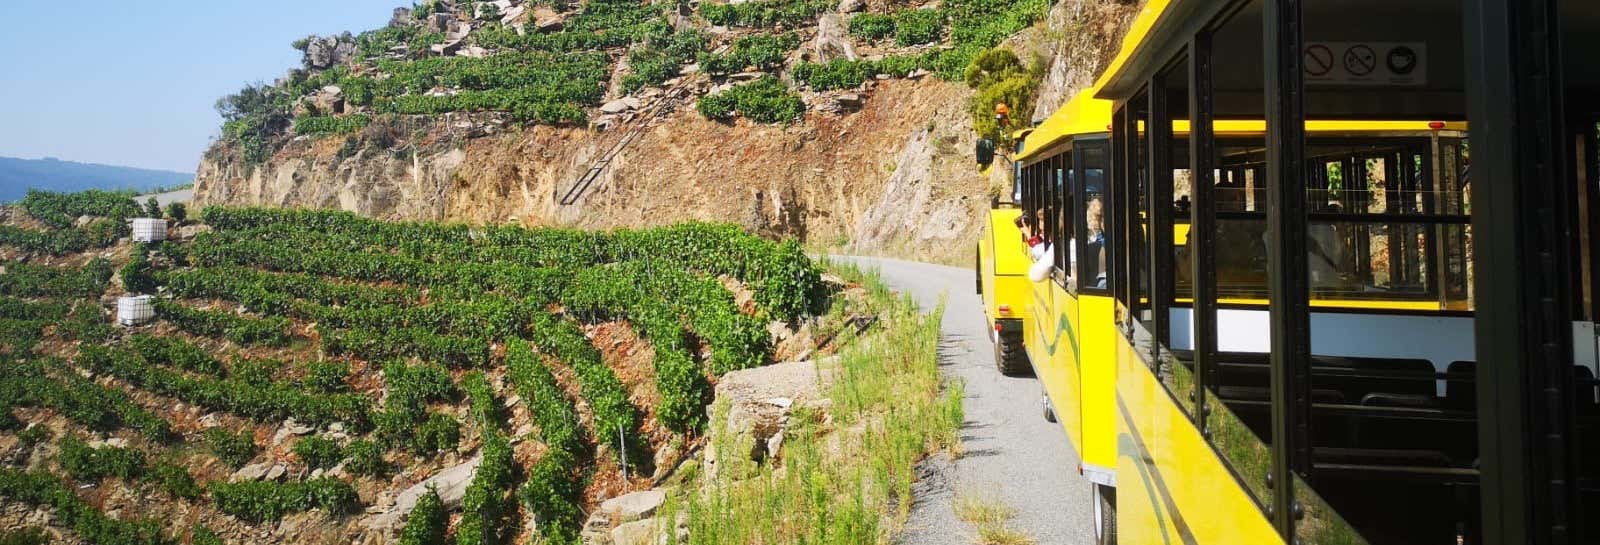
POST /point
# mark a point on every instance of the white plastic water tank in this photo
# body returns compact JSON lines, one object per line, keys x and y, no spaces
{"x":149,"y":229}
{"x":135,"y":310}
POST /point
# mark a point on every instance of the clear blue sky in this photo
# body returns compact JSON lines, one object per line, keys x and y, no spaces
{"x":133,"y":83}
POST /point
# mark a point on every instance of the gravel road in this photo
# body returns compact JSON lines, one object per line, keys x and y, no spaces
{"x":1011,"y":453}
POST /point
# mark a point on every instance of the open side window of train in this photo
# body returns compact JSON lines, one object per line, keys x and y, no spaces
{"x":1064,"y":210}
{"x":1089,"y":164}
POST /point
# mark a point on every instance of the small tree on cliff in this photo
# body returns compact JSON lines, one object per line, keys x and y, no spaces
{"x":1000,"y":78}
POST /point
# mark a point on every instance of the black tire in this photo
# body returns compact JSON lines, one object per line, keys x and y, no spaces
{"x":1009,"y":356}
{"x":1106,"y":515}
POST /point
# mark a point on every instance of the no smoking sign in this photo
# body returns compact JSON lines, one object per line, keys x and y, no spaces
{"x":1365,"y":63}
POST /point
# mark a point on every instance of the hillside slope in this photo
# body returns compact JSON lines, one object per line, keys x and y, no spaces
{"x":878,"y":160}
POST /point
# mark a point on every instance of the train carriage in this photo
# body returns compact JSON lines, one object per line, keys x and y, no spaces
{"x":1303,"y":303}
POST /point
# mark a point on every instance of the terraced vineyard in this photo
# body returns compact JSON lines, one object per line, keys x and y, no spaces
{"x":305,"y":366}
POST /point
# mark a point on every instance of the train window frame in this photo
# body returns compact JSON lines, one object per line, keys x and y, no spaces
{"x":1102,"y":259}
{"x":1065,"y":208}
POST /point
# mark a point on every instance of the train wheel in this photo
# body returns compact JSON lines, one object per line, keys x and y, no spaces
{"x":1049,"y":408}
{"x":1009,"y":357}
{"x":1105,"y":515}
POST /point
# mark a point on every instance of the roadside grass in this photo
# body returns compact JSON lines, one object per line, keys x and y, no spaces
{"x":845,"y":478}
{"x":990,"y":516}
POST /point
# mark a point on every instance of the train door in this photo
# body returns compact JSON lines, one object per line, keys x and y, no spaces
{"x":1584,"y":139}
{"x":1062,"y":288}
{"x":1094,"y":318}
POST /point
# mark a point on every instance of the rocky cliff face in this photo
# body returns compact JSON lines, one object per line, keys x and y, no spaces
{"x":884,"y":168}
{"x":895,"y":176}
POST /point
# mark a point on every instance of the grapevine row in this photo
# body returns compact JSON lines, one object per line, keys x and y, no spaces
{"x":264,"y":402}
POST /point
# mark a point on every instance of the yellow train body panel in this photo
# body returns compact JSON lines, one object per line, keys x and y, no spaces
{"x":1003,"y":267}
{"x":1172,"y":487}
{"x":1052,"y":344}
{"x":1098,"y":363}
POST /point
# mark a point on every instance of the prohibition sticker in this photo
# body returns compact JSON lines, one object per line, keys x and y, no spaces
{"x":1365,"y":64}
{"x":1360,"y":60}
{"x":1319,"y":60}
{"x":1402,"y":60}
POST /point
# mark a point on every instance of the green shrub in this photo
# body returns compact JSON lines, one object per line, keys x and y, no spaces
{"x":440,"y":432}
{"x":175,"y":480}
{"x":365,"y":458}
{"x":33,"y":435}
{"x":553,"y":495}
{"x":80,"y":399}
{"x":178,"y":211}
{"x":918,"y":26}
{"x":766,"y":100}
{"x":318,"y":452}
{"x":761,"y":51}
{"x":487,"y":503}
{"x":550,"y":410}
{"x":175,"y":352}
{"x":661,"y":59}
{"x":60,"y":210}
{"x":205,"y":536}
{"x":29,"y":280}
{"x":234,"y":449}
{"x":998,"y":77}
{"x":40,"y":488}
{"x":420,"y":383}
{"x":263,"y":501}
{"x":90,"y":464}
{"x":31,"y":535}
{"x":243,"y":330}
{"x":790,"y":13}
{"x":327,"y":376}
{"x":135,"y":274}
{"x":427,"y":522}
{"x":56,"y":242}
{"x":257,"y":399}
{"x":152,"y":208}
{"x":872,"y":26}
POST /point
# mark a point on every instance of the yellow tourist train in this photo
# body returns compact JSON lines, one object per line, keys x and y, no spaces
{"x":1191,"y":300}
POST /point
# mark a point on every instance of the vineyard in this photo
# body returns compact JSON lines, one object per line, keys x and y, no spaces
{"x":555,"y":63}
{"x":303,"y":366}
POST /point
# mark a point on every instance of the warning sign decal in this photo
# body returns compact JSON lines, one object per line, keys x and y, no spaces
{"x":1366,"y":63}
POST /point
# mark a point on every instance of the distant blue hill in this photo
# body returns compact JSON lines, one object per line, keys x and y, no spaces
{"x":17,"y":175}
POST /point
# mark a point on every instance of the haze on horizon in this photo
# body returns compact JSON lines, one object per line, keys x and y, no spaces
{"x":133,"y":83}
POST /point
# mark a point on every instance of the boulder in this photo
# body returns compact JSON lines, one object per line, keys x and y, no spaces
{"x":549,"y":23}
{"x":635,"y":506}
{"x":596,"y":530}
{"x":473,"y":51}
{"x":759,"y":401}
{"x":446,"y":49}
{"x":252,"y":472}
{"x":440,"y":22}
{"x":746,"y":76}
{"x":616,"y":107}
{"x":639,"y":532}
{"x":848,"y":100}
{"x":276,"y":472}
{"x":402,"y":17}
{"x":514,"y":16}
{"x":852,"y":6}
{"x":450,"y":483}
{"x":323,"y":52}
{"x":832,"y":41}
